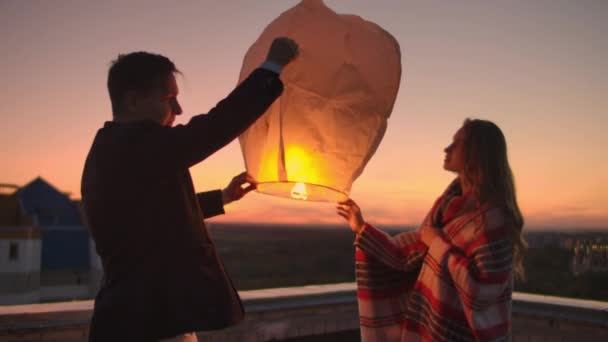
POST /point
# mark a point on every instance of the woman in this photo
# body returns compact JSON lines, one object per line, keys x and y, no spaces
{"x":452,"y":279}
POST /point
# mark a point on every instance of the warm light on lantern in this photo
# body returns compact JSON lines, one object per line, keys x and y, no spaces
{"x":299,"y":191}
{"x":297,"y":162}
{"x":316,"y":139}
{"x":301,"y":166}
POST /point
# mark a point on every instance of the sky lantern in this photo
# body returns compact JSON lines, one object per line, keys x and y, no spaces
{"x":316,"y":139}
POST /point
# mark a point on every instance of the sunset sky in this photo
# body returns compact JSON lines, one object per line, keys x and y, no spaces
{"x":539,"y":69}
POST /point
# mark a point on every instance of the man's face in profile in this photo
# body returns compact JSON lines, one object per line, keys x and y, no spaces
{"x":160,"y":105}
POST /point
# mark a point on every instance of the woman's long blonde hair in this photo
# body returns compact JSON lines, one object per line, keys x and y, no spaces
{"x":487,"y":170}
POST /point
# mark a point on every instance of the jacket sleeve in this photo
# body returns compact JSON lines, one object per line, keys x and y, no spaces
{"x":205,"y":134}
{"x":404,"y":252}
{"x":211,"y":203}
{"x":483,"y":271}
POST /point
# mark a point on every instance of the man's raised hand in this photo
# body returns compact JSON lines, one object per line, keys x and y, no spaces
{"x":282,"y":51}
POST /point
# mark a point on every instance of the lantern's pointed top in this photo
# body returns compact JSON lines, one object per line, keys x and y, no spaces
{"x":313,"y":3}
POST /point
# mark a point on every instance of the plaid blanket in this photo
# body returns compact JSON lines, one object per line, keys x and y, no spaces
{"x":458,"y":289}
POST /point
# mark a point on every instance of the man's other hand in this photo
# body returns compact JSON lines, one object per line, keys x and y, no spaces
{"x":239,"y":186}
{"x":282,"y":51}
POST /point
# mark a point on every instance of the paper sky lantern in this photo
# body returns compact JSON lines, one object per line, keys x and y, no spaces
{"x":315,"y":140}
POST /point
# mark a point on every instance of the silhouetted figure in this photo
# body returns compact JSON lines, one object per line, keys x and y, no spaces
{"x":163,"y":276}
{"x":451,"y":280}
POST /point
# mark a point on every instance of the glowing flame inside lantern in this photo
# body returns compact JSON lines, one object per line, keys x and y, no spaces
{"x":299,"y":191}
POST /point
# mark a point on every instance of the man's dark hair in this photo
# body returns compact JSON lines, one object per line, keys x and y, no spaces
{"x":140,"y":72}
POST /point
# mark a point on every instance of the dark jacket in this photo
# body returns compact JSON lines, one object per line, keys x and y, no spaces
{"x":163,"y":276}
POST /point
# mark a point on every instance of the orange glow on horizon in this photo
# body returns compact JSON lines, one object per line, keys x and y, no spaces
{"x":555,"y":134}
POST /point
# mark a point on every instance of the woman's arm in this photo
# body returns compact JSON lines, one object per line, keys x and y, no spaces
{"x":404,"y":252}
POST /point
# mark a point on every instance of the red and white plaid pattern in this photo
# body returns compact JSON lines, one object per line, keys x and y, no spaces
{"x":458,"y":289}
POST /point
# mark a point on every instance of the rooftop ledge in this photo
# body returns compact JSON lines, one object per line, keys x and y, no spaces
{"x":308,"y":313}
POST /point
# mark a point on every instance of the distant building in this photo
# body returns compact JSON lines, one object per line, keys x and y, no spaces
{"x":19,"y":252}
{"x":590,"y":256}
{"x":46,"y":252}
{"x":568,"y":243}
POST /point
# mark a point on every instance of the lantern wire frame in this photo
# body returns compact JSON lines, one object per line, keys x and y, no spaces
{"x":301,"y":191}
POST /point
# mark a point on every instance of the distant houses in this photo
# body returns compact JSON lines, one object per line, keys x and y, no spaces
{"x":589,"y":248}
{"x":46,"y":252}
{"x":590,"y":256}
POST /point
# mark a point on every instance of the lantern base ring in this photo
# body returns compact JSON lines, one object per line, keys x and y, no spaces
{"x":301,"y":191}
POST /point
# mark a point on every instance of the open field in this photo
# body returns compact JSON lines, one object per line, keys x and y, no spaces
{"x":277,"y":256}
{"x":287,"y":255}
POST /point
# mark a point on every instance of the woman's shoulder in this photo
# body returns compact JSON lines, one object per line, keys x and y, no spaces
{"x":494,"y":219}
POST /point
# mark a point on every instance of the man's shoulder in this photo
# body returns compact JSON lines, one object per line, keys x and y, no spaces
{"x":120,"y":136}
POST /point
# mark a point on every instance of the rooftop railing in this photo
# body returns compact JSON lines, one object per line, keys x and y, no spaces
{"x":313,"y":313}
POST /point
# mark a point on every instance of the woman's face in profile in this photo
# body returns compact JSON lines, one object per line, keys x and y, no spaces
{"x":454,"y":153}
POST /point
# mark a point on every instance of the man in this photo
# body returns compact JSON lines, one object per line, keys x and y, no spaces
{"x":163,"y":277}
